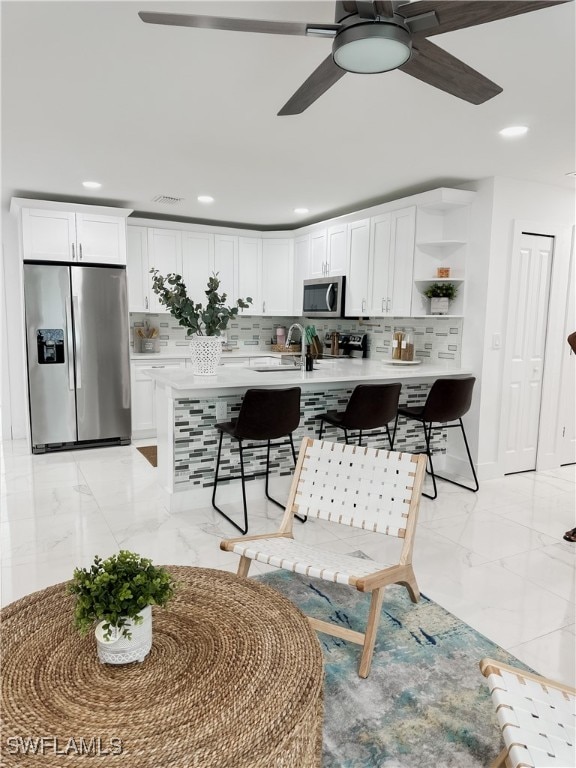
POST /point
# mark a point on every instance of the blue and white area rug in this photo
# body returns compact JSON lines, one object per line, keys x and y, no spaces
{"x":425,"y":703}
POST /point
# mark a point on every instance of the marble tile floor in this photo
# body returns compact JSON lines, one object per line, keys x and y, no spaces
{"x":496,"y":559}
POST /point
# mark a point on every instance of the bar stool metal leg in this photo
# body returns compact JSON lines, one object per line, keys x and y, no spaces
{"x":454,"y":482}
{"x":216,"y":507}
{"x":427,"y":436}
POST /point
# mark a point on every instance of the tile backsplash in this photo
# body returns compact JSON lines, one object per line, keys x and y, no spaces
{"x":436,"y":339}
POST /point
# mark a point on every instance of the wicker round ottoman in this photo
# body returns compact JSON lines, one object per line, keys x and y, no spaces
{"x":234,"y":679}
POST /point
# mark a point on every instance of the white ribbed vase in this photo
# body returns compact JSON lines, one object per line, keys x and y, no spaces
{"x":123,"y":650}
{"x":205,"y":352}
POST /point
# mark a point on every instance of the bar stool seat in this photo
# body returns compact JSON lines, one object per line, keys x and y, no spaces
{"x":265,"y":415}
{"x":371,"y":406}
{"x":448,"y":400}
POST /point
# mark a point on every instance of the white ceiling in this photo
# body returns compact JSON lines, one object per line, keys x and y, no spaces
{"x":89,"y":92}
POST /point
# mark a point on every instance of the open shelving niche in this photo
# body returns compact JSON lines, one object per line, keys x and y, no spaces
{"x":442,"y":231}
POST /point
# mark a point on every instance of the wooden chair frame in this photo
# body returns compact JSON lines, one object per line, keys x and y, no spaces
{"x":374,"y":582}
{"x":516,"y":752}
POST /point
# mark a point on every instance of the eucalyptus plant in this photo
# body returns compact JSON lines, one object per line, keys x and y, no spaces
{"x":117,"y":589}
{"x":208,"y":320}
{"x":441,"y":291}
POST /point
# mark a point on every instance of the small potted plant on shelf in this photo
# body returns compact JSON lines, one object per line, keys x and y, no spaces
{"x":204,"y":323}
{"x":440,"y":295}
{"x":118,"y":593}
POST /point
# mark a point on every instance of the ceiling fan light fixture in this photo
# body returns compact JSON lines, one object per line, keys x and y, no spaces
{"x":370,"y":48}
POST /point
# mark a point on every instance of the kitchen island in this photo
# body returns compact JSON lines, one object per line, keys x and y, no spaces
{"x":188,"y":407}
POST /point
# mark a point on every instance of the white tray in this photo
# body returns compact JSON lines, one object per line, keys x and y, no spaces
{"x":402,"y":362}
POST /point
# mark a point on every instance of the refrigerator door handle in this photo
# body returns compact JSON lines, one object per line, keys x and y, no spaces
{"x":78,"y":336}
{"x":70,"y":344}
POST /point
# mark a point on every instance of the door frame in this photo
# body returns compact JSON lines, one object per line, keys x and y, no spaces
{"x":548,"y":446}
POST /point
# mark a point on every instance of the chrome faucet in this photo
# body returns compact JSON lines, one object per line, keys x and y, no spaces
{"x":302,"y":343}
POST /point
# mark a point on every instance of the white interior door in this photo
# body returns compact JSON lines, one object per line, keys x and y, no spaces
{"x":567,"y":420}
{"x":525,"y":346}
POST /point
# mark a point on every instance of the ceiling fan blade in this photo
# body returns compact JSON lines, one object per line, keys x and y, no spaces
{"x":385,"y":8}
{"x":238,"y":25}
{"x":439,"y":68}
{"x":458,"y":14}
{"x":318,"y":83}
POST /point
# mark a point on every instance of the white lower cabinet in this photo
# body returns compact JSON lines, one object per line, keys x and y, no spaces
{"x":143,"y":395}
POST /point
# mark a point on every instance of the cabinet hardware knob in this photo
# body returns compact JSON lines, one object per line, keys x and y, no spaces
{"x":73,"y":252}
{"x":146,"y":301}
{"x":80,"y":249}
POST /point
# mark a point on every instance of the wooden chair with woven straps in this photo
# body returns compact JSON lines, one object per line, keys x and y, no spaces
{"x":537,"y":718}
{"x":373,"y":490}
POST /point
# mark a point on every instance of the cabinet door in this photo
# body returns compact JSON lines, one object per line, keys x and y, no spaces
{"x":165,"y":255}
{"x":137,"y":275}
{"x":277,"y":276}
{"x":100,"y":239}
{"x":318,"y":253}
{"x":249,"y":282}
{"x":402,"y":234}
{"x":358,"y":268}
{"x":143,"y":396}
{"x":226,"y":264}
{"x":301,"y":270}
{"x":336,"y":257}
{"x":48,"y":235}
{"x":197,"y":263}
{"x":380,"y":265}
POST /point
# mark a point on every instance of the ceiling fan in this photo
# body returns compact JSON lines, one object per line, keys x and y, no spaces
{"x":380,"y":35}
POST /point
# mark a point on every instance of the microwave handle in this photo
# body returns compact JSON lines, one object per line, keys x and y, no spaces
{"x":328,"y":299}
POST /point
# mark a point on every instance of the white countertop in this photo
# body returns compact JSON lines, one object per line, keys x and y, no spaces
{"x":328,"y":373}
{"x":184,"y":354}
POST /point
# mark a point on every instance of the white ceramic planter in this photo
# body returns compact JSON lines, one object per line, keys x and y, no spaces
{"x":122,"y":650}
{"x":439,"y":305}
{"x":205,"y":352}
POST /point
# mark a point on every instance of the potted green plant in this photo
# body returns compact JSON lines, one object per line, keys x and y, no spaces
{"x":204,"y":323}
{"x":440,"y":295}
{"x":118,"y":594}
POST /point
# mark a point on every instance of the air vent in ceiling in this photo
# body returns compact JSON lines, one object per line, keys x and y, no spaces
{"x":167,"y":200}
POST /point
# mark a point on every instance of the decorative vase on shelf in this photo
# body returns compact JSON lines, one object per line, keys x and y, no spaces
{"x":205,"y":352}
{"x":439,"y":305}
{"x":119,"y":649}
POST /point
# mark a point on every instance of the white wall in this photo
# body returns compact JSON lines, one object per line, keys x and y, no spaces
{"x":13,"y":392}
{"x":503,"y":206}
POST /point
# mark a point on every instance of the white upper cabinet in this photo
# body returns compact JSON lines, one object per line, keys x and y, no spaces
{"x":402,"y":232}
{"x":357,"y":271}
{"x":61,"y":235}
{"x":328,"y":253}
{"x":301,"y":270}
{"x":392,"y":260}
{"x":318,"y":252}
{"x":197,"y":263}
{"x":250,"y":273}
{"x":336,"y":252}
{"x":165,"y":255}
{"x":277,"y":276}
{"x":226,"y":264}
{"x":137,"y":275}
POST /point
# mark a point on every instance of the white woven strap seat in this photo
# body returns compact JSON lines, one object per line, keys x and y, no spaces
{"x":374,"y":490}
{"x":310,"y":561}
{"x":537,"y":717}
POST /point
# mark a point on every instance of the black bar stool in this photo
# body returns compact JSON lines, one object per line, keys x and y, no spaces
{"x":448,"y":400}
{"x":371,"y":406}
{"x":265,"y":415}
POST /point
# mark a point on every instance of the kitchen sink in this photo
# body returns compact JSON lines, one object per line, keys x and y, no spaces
{"x":274,"y":369}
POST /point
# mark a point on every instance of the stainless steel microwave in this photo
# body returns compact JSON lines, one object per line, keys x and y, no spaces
{"x":324,"y":297}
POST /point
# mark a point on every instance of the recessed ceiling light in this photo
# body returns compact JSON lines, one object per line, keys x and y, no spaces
{"x":205,"y":199}
{"x":301,"y":210}
{"x":91,"y":184}
{"x":514,"y":130}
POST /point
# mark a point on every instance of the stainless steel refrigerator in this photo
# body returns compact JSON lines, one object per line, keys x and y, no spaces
{"x":78,"y":355}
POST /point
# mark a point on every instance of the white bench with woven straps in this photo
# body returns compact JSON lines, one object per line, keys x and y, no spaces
{"x":374,"y":490}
